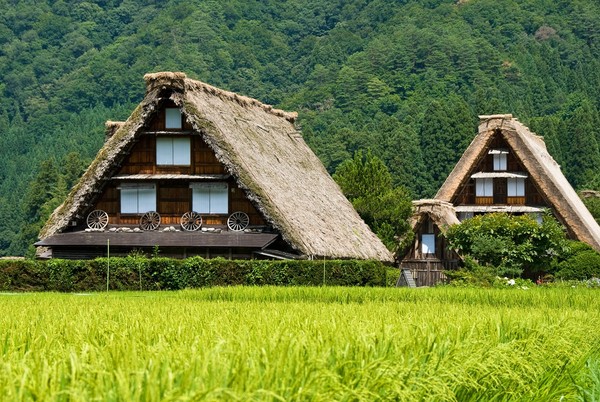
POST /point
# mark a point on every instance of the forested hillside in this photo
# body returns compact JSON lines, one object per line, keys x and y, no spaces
{"x":405,"y":79}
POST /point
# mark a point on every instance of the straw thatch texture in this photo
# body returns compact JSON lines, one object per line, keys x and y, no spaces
{"x":542,"y":169}
{"x":442,"y":213}
{"x":111,"y":127}
{"x":263,"y":151}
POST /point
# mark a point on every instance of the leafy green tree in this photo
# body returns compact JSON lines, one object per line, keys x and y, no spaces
{"x":41,"y":190}
{"x":583,"y":155}
{"x":447,"y":128}
{"x":510,"y":245}
{"x":72,"y":168}
{"x":398,"y":146}
{"x":367,"y":183}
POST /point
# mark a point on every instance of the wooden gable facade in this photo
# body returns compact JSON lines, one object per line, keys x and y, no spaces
{"x":498,"y":182}
{"x":173,"y":182}
{"x":171,"y":171}
{"x":428,"y":256}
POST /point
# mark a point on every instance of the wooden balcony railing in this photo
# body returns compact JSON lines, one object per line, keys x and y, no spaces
{"x":515,"y":200}
{"x":484,"y":200}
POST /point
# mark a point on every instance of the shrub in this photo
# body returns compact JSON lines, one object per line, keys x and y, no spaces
{"x":514,"y":245}
{"x":581,"y":263}
{"x":136,"y":272}
{"x":471,"y":275}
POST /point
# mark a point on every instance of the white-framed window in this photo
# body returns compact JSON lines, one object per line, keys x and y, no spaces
{"x":137,"y":198}
{"x":516,"y":187}
{"x":210,"y":198}
{"x":484,"y":187}
{"x":173,"y":118}
{"x":428,"y":243}
{"x":500,"y":161}
{"x":173,"y":151}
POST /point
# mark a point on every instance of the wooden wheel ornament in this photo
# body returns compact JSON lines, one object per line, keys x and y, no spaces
{"x":238,"y":221}
{"x":97,"y":219}
{"x":191,"y":221}
{"x":150,"y":221}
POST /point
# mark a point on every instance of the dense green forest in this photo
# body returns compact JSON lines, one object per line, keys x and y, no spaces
{"x":404,"y":79}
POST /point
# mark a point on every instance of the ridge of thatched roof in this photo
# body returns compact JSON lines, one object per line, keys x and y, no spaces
{"x":261,"y":149}
{"x":181,"y":82}
{"x":442,"y":213}
{"x":111,"y":127}
{"x":542,"y":168}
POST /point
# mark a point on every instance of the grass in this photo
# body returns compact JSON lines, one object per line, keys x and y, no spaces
{"x":298,"y":344}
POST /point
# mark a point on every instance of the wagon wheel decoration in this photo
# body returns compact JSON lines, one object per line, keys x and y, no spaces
{"x":97,"y":219}
{"x":238,"y":221}
{"x":150,"y":220}
{"x":191,"y":221}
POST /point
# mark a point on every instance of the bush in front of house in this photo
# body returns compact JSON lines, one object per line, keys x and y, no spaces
{"x":582,"y":262}
{"x":510,"y":246}
{"x":137,"y":272}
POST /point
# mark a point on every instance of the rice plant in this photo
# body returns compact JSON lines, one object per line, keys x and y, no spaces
{"x":298,"y":344}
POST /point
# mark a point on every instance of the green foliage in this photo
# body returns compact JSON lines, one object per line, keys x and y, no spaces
{"x":580,"y":263}
{"x":136,"y":272}
{"x":582,"y":121}
{"x":593,"y":205}
{"x":512,"y":245}
{"x":447,"y":129}
{"x":405,"y":79}
{"x":302,"y":344}
{"x":474,"y":275}
{"x":367,"y":183}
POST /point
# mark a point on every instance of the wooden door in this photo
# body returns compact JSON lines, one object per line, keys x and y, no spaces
{"x":499,"y":191}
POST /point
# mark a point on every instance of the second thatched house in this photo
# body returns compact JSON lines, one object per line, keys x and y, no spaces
{"x":196,"y":170}
{"x":506,"y":168}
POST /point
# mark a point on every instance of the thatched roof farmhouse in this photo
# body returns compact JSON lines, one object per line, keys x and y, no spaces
{"x":507,"y":168}
{"x":255,"y":186}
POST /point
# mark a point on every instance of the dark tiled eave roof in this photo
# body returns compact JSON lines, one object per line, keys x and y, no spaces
{"x":164,"y":239}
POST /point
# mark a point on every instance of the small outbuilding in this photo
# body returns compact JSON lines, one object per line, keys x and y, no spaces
{"x":429,"y":255}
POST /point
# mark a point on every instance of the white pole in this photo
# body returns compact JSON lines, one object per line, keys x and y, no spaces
{"x":107,"y":263}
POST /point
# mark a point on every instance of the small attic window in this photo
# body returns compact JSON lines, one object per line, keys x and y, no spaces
{"x":137,"y":198}
{"x":172,"y":118}
{"x":516,"y":187}
{"x":484,"y":187}
{"x":500,"y":158}
{"x":173,"y":151}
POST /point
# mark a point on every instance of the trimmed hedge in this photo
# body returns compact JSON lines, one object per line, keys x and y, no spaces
{"x":135,"y":273}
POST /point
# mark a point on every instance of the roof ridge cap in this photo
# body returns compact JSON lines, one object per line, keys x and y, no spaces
{"x":180,"y":81}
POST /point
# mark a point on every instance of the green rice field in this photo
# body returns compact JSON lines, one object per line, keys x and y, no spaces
{"x":302,"y":344}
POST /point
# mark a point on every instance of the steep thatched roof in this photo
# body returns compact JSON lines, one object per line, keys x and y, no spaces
{"x":442,"y":213}
{"x":542,"y":169}
{"x":261,"y":149}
